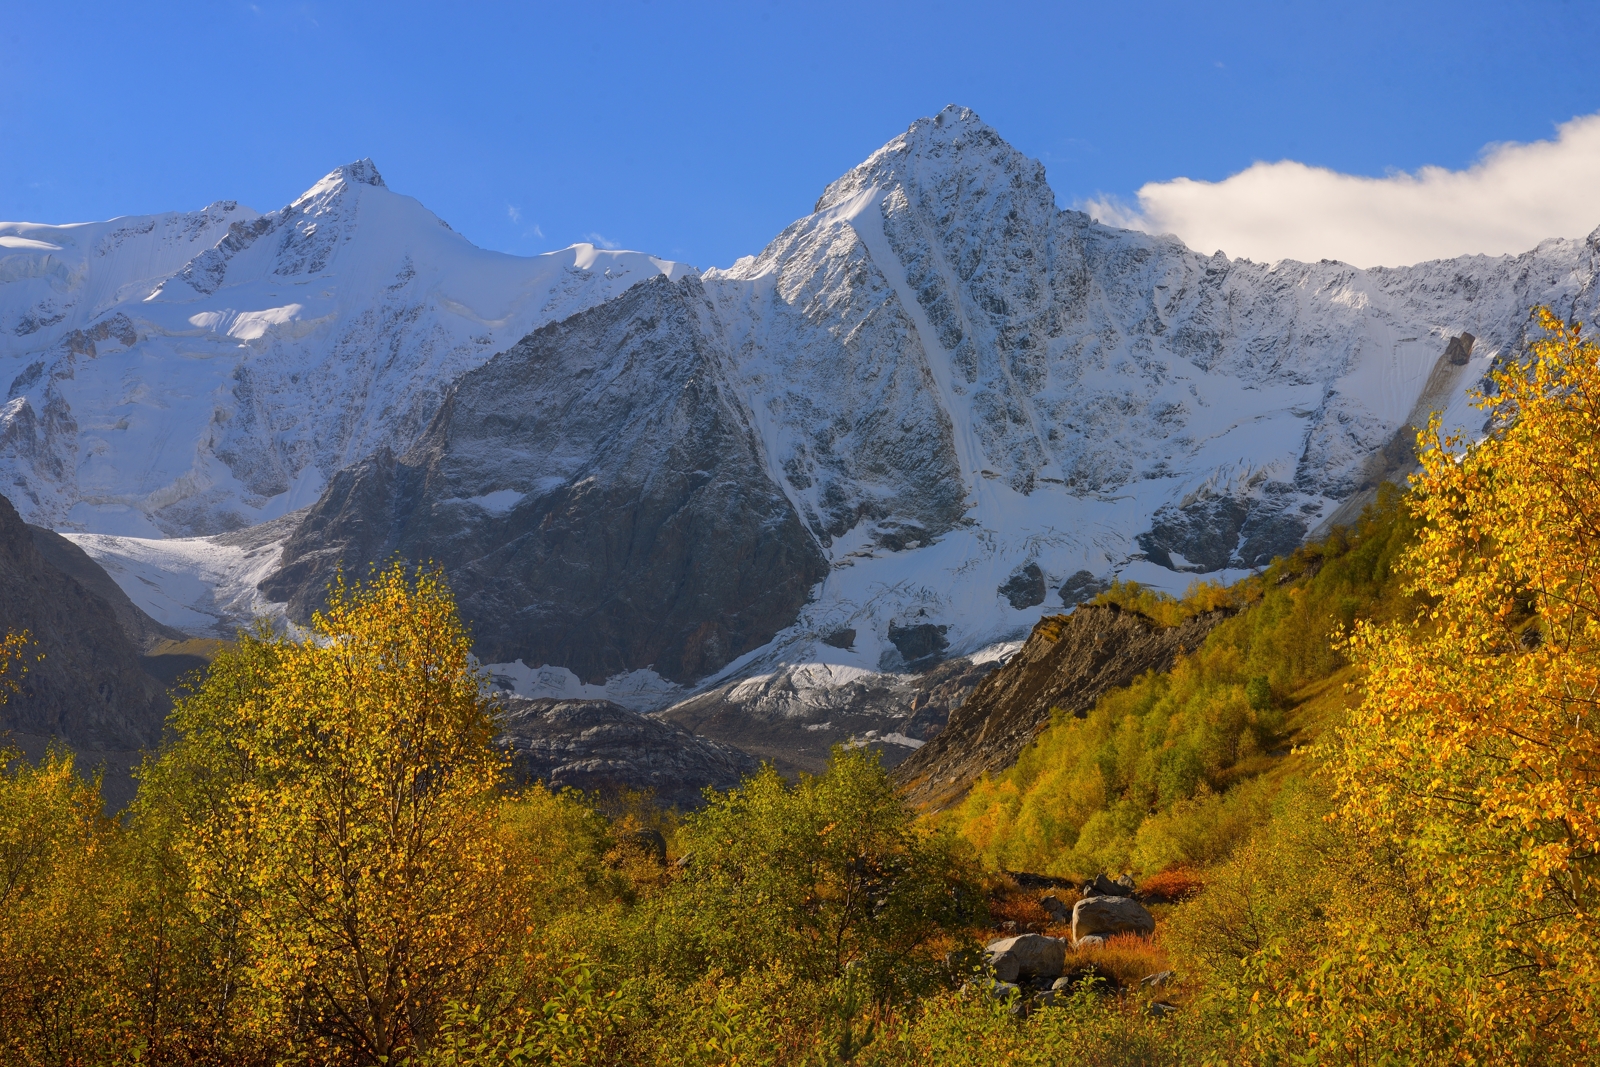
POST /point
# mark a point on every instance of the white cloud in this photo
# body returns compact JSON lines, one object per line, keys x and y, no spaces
{"x":514,"y":213}
{"x":600,"y":241}
{"x":1515,"y":196}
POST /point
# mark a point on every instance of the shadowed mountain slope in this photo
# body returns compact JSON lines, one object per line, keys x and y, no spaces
{"x":1067,"y":662}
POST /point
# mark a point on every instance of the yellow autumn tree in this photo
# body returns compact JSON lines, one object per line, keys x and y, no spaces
{"x":60,"y":990}
{"x":1475,"y":757}
{"x":13,"y":663}
{"x":344,"y":818}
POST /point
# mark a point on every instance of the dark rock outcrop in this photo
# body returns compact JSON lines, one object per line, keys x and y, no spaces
{"x":596,"y":495}
{"x":1067,"y":662}
{"x":919,"y":643}
{"x":1459,"y":350}
{"x":90,"y":690}
{"x":1081,"y":586}
{"x":845,"y":638}
{"x":1025,"y":588}
{"x":72,"y":561}
{"x":1103,"y":885}
{"x":597,"y":746}
{"x":795,"y":727}
{"x":1211,"y":532}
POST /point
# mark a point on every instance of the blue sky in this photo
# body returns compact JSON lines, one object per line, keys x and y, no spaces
{"x":697,"y":130}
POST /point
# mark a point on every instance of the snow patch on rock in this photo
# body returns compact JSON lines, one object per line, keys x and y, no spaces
{"x":642,"y":690}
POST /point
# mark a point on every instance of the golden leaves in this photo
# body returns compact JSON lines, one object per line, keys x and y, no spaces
{"x":1475,"y":745}
{"x":356,"y":835}
{"x":12,"y":663}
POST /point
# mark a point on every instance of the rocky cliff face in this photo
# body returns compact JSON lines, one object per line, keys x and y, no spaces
{"x":931,"y":412}
{"x":1066,"y":664}
{"x":90,"y":689}
{"x":977,"y":408}
{"x":596,"y":495}
{"x":192,"y":373}
{"x":145,"y":633}
{"x":793,"y":718}
{"x":596,"y":746}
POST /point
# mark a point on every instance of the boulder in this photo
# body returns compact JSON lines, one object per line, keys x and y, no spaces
{"x":1106,"y":886}
{"x":1026,"y":956}
{"x":1092,"y":941}
{"x":1107,"y":916}
{"x":1053,"y":907}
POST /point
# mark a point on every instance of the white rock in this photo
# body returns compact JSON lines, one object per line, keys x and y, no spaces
{"x":1026,"y":956}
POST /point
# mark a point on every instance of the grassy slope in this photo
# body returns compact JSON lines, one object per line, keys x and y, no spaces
{"x":1178,"y":768}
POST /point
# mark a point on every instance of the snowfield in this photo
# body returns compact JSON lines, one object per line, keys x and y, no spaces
{"x":187,"y":374}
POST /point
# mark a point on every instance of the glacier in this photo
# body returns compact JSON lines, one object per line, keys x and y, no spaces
{"x":182,"y":375}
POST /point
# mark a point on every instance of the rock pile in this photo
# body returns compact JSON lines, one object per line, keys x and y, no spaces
{"x":1033,"y":969}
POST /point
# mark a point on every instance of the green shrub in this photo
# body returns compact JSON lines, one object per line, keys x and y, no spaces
{"x":826,"y":874}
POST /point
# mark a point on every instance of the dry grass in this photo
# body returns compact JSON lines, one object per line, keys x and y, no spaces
{"x":1167,"y":610}
{"x":1127,"y":958}
{"x":1020,"y":909}
{"x":204,"y":647}
{"x":1172,"y":886}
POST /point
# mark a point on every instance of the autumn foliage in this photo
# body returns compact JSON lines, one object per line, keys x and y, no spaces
{"x":1476,"y":753}
{"x":13,"y":661}
{"x":1365,"y":812}
{"x":349,"y":827}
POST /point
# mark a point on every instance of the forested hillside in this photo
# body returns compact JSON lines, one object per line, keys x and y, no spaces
{"x":1361,"y":819}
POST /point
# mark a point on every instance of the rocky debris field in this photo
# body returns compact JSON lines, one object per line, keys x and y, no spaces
{"x":598,"y":747}
{"x":1096,"y":937}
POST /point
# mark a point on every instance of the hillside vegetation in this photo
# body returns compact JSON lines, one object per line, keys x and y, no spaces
{"x":1364,"y":811}
{"x":1178,"y":767}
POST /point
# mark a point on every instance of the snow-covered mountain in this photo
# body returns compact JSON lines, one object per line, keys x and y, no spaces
{"x":968,"y":398}
{"x":931,"y":410}
{"x":187,"y":374}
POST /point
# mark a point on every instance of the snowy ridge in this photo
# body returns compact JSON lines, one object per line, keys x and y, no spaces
{"x":185,"y":374}
{"x":1064,"y":396}
{"x":642,"y":690}
{"x":978,"y":406}
{"x":204,"y":586}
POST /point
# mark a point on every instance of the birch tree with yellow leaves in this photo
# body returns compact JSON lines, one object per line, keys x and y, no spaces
{"x":347,"y":821}
{"x":1476,"y":752}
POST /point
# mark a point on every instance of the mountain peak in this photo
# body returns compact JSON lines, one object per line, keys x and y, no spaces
{"x":954,"y":115}
{"x":326,"y":190}
{"x":953,"y":140}
{"x":363,"y":171}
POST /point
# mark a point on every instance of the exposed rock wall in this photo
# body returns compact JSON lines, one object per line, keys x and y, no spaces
{"x":1066,"y":664}
{"x":793,"y":718}
{"x":596,"y":495}
{"x":90,"y":689}
{"x":597,"y":746}
{"x":72,"y":561}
